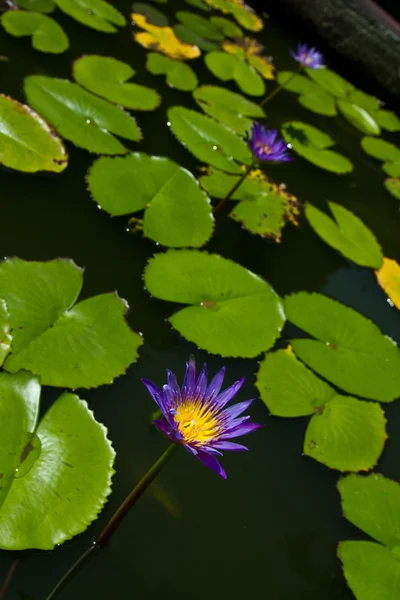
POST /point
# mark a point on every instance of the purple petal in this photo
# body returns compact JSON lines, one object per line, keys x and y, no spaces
{"x":215,"y":385}
{"x":173,"y":384}
{"x":240,"y":430}
{"x":229,"y":446}
{"x":228,"y":394}
{"x":235,"y":410}
{"x":211,"y":462}
{"x":201,"y":383}
{"x":155,"y":392}
{"x":189,"y":381}
{"x":164,"y":427}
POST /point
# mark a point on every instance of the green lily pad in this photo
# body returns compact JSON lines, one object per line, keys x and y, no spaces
{"x":349,"y":350}
{"x":47,"y":35}
{"x":331,"y":82}
{"x":392,"y":184}
{"x":68,"y":345}
{"x":201,"y":26}
{"x":152,"y":14}
{"x":358,"y":117}
{"x":107,"y":77}
{"x":311,"y":95}
{"x":79,"y":116}
{"x":233,"y":312}
{"x":209,"y":141}
{"x":229,"y":29}
{"x":63,"y":466}
{"x":312,"y":143}
{"x":265,"y":207}
{"x":97,"y":14}
{"x":177,"y":212}
{"x":392,"y":168}
{"x":347,"y":234}
{"x":289,"y":389}
{"x":197,"y":4}
{"x":380,"y":149}
{"x":187,"y":35}
{"x":228,"y":67}
{"x":365,"y":101}
{"x":179,"y":74}
{"x":244,"y":14}
{"x":5,"y":333}
{"x":27,"y":143}
{"x":228,"y":107}
{"x":387,"y":120}
{"x":41,"y":6}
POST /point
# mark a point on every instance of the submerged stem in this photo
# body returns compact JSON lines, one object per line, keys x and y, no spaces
{"x":8,"y":578}
{"x":234,"y":188}
{"x":281,"y":86}
{"x":104,"y":537}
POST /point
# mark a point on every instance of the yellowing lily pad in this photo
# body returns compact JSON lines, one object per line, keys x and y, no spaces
{"x":388,"y":277}
{"x":163,"y":39}
{"x":243,"y":13}
{"x":250,"y":49}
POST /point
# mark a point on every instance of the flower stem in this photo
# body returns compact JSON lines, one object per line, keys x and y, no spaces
{"x":8,"y":578}
{"x":104,"y":537}
{"x":280,"y":87}
{"x":234,"y":188}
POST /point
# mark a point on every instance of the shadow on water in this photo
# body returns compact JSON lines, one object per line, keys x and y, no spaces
{"x":272,"y":528}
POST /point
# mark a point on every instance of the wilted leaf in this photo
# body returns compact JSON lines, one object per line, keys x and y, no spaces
{"x":177,"y":212}
{"x":388,"y":277}
{"x":163,"y":39}
{"x":27,"y":143}
{"x":97,"y":14}
{"x":250,"y":49}
{"x":233,"y":312}
{"x":107,"y":77}
{"x":229,"y":67}
{"x":179,"y":74}
{"x":47,"y":35}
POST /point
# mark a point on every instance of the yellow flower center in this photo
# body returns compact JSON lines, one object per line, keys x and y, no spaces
{"x":264,"y":147}
{"x":197,"y":423}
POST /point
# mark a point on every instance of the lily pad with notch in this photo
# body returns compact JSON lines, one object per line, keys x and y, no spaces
{"x":178,"y":74}
{"x":228,"y":67}
{"x":47,"y":34}
{"x":187,"y":35}
{"x":96,"y":14}
{"x":311,"y":95}
{"x":201,"y":26}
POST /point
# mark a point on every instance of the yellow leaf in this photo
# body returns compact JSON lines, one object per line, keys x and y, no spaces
{"x":163,"y":39}
{"x":251,"y":49}
{"x":388,"y":277}
{"x":243,"y":13}
{"x":263,"y":65}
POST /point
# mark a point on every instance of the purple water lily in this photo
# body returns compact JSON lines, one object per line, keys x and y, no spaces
{"x":265,"y":144}
{"x":308,"y":57}
{"x":194,"y":415}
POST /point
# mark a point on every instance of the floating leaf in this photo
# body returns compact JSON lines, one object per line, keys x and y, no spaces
{"x":179,"y":74}
{"x":331,"y":82}
{"x":177,"y":212}
{"x":347,"y":234}
{"x":358,"y":117}
{"x":387,"y":120}
{"x":250,"y":49}
{"x":392,"y":184}
{"x":41,"y":6}
{"x":312,"y":96}
{"x":365,"y":101}
{"x":58,"y":473}
{"x":229,"y":29}
{"x":152,"y":14}
{"x":199,"y":25}
{"x":80,"y":117}
{"x":163,"y":39}
{"x":349,"y":350}
{"x":312,"y":143}
{"x":229,"y":67}
{"x":392,"y":168}
{"x":243,"y":14}
{"x":47,"y":35}
{"x":198,"y":4}
{"x":228,"y":107}
{"x":27,"y":143}
{"x":344,"y":433}
{"x":264,"y":208}
{"x":6,"y":337}
{"x":107,"y":77}
{"x":97,"y":14}
{"x":388,"y":277}
{"x":233,"y":312}
{"x":190,"y":37}
{"x":383,"y":150}
{"x":83,"y":345}
{"x":209,"y":141}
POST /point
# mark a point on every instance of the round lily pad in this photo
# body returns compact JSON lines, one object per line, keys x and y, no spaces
{"x":96,"y":14}
{"x":47,"y":34}
{"x":179,"y":74}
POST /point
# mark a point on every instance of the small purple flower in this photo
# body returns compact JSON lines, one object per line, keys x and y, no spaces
{"x":265,"y":145}
{"x":308,"y":57}
{"x":194,"y":415}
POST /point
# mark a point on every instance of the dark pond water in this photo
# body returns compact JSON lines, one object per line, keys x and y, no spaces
{"x":272,"y":528}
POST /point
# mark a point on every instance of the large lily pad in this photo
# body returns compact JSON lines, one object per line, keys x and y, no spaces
{"x":179,"y":74}
{"x":68,"y":345}
{"x":264,"y":207}
{"x":177,"y":212}
{"x":228,"y":107}
{"x":349,"y":350}
{"x":201,"y":26}
{"x":359,"y":117}
{"x":47,"y":35}
{"x":388,"y":277}
{"x":107,"y":77}
{"x":79,"y":116}
{"x":233,"y":312}
{"x":209,"y":141}
{"x":344,"y":433}
{"x":228,"y":67}
{"x":63,"y":466}
{"x":311,"y":95}
{"x":97,"y":14}
{"x":27,"y":143}
{"x":163,"y":39}
{"x":331,"y":82}
{"x":312,"y":143}
{"x":347,"y":234}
